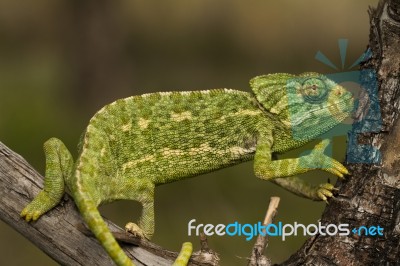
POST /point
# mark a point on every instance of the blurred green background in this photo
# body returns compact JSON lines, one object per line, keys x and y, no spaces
{"x":60,"y":61}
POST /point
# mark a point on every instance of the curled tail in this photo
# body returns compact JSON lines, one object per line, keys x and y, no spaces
{"x":97,"y":225}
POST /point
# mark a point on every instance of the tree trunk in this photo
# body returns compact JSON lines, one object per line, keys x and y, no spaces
{"x":371,"y":196}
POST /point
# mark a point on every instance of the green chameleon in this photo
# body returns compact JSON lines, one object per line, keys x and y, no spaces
{"x":135,"y":144}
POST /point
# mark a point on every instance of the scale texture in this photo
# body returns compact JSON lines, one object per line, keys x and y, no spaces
{"x":134,"y":144}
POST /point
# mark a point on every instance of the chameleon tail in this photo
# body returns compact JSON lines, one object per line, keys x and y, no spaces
{"x":97,"y":225}
{"x":184,"y":255}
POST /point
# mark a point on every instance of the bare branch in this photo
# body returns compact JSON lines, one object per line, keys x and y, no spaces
{"x":59,"y":232}
{"x":257,"y":257}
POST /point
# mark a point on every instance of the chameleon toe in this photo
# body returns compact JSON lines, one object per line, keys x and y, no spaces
{"x":325,"y":191}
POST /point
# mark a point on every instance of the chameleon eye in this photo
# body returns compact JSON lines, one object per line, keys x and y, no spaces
{"x":314,"y":90}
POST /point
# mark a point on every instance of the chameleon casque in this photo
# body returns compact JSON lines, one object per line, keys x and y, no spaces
{"x":135,"y":144}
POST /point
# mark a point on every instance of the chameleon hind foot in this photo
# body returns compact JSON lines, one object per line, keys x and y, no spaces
{"x":59,"y":164}
{"x":41,"y":204}
{"x":135,"y":230}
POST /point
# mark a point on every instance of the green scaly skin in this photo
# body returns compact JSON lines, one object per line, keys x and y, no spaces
{"x":134,"y":144}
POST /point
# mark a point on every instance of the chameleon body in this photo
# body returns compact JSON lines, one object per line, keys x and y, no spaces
{"x":135,"y":144}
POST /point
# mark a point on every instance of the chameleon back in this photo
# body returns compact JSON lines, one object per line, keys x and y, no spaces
{"x":167,"y":136}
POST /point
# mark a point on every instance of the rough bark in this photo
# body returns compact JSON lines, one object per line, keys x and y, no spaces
{"x":59,"y":232}
{"x":371,"y":195}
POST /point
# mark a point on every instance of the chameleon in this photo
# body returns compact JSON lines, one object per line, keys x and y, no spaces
{"x":137,"y":143}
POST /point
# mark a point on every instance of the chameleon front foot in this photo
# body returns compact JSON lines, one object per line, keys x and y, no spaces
{"x":325,"y":191}
{"x":318,"y":160}
{"x":337,"y":169}
{"x":135,"y":230}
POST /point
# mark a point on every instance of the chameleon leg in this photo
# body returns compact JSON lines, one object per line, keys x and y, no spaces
{"x":59,"y":165}
{"x":144,"y":193}
{"x":146,"y":221}
{"x":282,"y":171}
{"x":145,"y":229}
{"x":267,"y":169}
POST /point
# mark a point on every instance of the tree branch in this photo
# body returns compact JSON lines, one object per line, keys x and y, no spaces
{"x":59,"y":232}
{"x":257,"y":258}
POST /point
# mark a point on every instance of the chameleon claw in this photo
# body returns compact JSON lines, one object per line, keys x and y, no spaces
{"x":325,"y":191}
{"x":331,"y":197}
{"x":322,"y":196}
{"x":340,"y":167}
{"x":340,"y":175}
{"x":346,"y":172}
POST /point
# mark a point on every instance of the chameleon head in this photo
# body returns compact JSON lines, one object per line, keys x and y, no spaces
{"x":310,"y":103}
